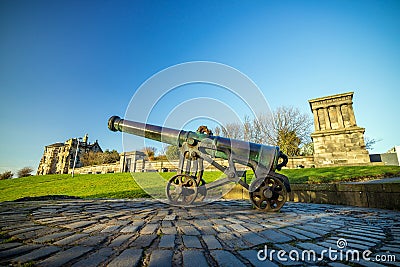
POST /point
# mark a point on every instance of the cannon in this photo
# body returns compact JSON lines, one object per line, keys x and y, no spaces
{"x":267,"y":191}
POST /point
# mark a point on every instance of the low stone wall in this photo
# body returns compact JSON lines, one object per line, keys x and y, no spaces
{"x":301,"y":161}
{"x":97,"y":169}
{"x":160,"y":165}
{"x":385,"y":195}
{"x":385,"y":159}
{"x":173,"y":165}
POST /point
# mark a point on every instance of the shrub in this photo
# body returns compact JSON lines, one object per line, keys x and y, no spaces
{"x":26,"y":171}
{"x":6,"y":175}
{"x":96,"y":158}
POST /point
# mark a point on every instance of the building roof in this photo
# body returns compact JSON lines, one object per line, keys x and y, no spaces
{"x":56,"y":145}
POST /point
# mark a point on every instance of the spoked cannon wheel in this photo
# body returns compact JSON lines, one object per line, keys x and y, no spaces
{"x":270,"y":195}
{"x":182,"y":190}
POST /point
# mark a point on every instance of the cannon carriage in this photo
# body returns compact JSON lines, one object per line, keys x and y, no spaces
{"x":268,"y":191}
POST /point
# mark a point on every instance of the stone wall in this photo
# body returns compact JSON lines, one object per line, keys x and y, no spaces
{"x":173,"y":165}
{"x":385,"y":158}
{"x":385,"y":196}
{"x":301,"y":162}
{"x":48,"y":162}
{"x":161,"y":166}
{"x":149,"y":166}
{"x":97,"y":169}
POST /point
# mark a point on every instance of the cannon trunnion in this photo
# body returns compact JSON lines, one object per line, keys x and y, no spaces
{"x":268,"y":191}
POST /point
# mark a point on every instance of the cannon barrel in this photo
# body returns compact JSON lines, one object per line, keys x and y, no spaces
{"x":154,"y":132}
{"x":243,"y":152}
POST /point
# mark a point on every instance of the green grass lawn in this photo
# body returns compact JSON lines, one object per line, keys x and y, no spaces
{"x":112,"y":185}
{"x":122,"y":185}
{"x":340,"y":174}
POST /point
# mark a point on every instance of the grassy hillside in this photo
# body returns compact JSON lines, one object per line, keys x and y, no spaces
{"x":122,"y":185}
{"x":110,"y":185}
{"x":86,"y":185}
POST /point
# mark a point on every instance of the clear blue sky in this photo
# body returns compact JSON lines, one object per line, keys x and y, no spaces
{"x":67,"y":66}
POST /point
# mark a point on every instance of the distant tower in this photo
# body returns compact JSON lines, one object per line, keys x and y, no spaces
{"x":337,"y":138}
{"x":85,"y":138}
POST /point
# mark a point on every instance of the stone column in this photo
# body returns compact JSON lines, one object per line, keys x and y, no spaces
{"x":134,"y":164}
{"x":143,"y":165}
{"x":122,"y":162}
{"x":327,"y":120}
{"x":339,"y":116}
{"x":351,"y":115}
{"x":345,"y":113}
{"x":316,"y":121}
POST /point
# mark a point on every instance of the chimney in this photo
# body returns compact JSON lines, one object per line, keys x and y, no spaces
{"x":85,"y":138}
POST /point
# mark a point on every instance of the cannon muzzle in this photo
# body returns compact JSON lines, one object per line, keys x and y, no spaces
{"x":154,"y":132}
{"x":114,"y":120}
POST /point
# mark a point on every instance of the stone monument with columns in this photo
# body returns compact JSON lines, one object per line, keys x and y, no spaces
{"x":337,"y":138}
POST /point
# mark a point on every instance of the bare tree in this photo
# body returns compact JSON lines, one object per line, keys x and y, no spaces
{"x":286,"y":127}
{"x":370,"y":142}
{"x":217,"y":131}
{"x":233,"y":130}
{"x":150,"y":152}
{"x":289,"y":119}
{"x":264,"y":130}
{"x":247,"y":129}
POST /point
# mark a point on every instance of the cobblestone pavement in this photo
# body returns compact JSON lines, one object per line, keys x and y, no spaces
{"x":224,"y":233}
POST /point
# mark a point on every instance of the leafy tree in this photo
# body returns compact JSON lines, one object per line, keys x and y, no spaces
{"x":96,"y":158}
{"x":6,"y":175}
{"x":172,"y":152}
{"x":26,"y":171}
{"x":110,"y":156}
{"x":307,"y":149}
{"x":289,"y":142}
{"x":91,"y":158}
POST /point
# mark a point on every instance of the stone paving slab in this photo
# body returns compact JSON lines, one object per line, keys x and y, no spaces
{"x":145,"y":232}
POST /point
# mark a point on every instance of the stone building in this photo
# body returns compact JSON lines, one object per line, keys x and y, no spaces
{"x":391,"y":157}
{"x":133,"y":161}
{"x":59,"y":158}
{"x":337,"y":138}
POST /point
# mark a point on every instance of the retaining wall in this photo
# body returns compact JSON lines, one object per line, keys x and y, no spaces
{"x":385,"y":195}
{"x":96,"y":169}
